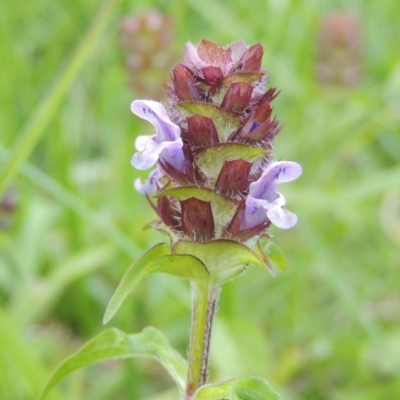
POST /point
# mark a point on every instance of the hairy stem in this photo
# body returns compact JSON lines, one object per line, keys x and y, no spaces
{"x":204,"y":299}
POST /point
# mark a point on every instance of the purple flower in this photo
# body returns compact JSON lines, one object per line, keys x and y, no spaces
{"x":264,"y":202}
{"x":152,"y":183}
{"x":165,"y":144}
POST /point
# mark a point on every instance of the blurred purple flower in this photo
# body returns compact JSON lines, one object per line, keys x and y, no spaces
{"x":265,"y":202}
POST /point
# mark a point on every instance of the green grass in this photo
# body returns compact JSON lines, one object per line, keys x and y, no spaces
{"x":326,"y":329}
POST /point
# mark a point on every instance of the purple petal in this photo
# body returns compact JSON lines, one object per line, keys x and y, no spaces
{"x":152,"y":183}
{"x":277,"y":172}
{"x":144,"y":159}
{"x":264,"y":201}
{"x":173,"y":154}
{"x":257,"y":210}
{"x":141,"y":141}
{"x":167,"y":137}
{"x":156,"y":114}
{"x":278,"y":214}
{"x":254,"y":213}
{"x":281,"y":217}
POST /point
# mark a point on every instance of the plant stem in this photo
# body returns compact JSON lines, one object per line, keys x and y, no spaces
{"x":204,"y":300}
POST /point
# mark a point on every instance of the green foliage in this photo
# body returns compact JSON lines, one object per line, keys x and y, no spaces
{"x":273,"y":255}
{"x":212,"y":158}
{"x":112,"y":344}
{"x":238,"y":389}
{"x":153,"y":261}
{"x":224,"y":259}
{"x":131,"y":279}
{"x":323,"y":329}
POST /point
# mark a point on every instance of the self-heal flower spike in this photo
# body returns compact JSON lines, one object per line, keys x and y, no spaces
{"x":214,"y":186}
{"x":215,"y":178}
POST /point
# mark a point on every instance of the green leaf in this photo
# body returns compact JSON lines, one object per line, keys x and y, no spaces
{"x":183,"y":266}
{"x":22,"y":369}
{"x":225,"y":122}
{"x":113,"y":344}
{"x":224,"y":259}
{"x":44,"y":112}
{"x":125,"y":287}
{"x":238,"y":389}
{"x":272,"y":254}
{"x":222,"y":207}
{"x":275,"y":254}
{"x":211,"y":160}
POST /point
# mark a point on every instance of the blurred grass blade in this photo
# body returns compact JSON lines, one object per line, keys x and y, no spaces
{"x":114,"y":344}
{"x":46,"y":109}
{"x":34,"y":304}
{"x":238,"y":389}
{"x":23,"y":360}
{"x":64,"y":196}
{"x":222,"y":19}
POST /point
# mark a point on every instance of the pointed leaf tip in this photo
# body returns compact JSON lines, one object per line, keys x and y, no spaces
{"x":237,"y":97}
{"x":158,"y":259}
{"x":212,"y":75}
{"x":251,"y":60}
{"x":126,"y":286}
{"x":184,"y":83}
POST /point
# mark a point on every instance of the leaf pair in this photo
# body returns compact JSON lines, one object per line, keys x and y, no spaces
{"x":213,"y":263}
{"x":114,"y":344}
{"x":210,"y":263}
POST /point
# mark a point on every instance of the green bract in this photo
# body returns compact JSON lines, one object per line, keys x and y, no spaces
{"x":222,"y":206}
{"x":224,"y":121}
{"x":213,"y":263}
{"x":211,"y":159}
{"x":224,"y":259}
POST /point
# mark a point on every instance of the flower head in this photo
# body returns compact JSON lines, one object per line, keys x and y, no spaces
{"x":215,"y":178}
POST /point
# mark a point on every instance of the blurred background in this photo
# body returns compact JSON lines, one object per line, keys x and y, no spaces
{"x":328,"y":327}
